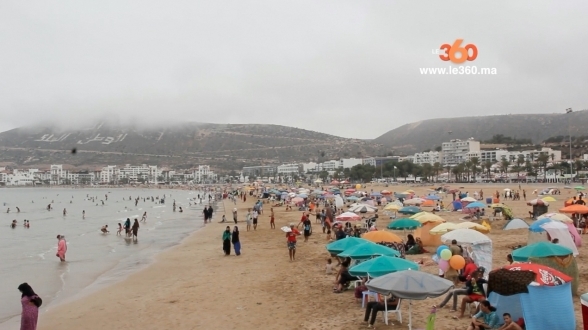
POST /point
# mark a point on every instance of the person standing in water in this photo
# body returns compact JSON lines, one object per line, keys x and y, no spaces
{"x":127,"y":227}
{"x":235,"y":240}
{"x":30,"y":307}
{"x":135,"y":229}
{"x":83,"y":214}
{"x":144,"y":218}
{"x":61,"y":247}
{"x":227,"y":241}
{"x":64,"y":212}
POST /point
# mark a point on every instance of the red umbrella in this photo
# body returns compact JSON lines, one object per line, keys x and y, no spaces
{"x":543,"y":275}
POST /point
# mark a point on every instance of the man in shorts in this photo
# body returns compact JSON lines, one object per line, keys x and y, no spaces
{"x":291,"y":237}
{"x":255,"y":216}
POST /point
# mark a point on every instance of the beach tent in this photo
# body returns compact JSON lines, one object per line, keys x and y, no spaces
{"x":551,"y":255}
{"x":515,"y":224}
{"x":534,"y":292}
{"x":428,"y":222}
{"x":475,"y":245}
{"x":457,"y":206}
{"x":547,"y":229}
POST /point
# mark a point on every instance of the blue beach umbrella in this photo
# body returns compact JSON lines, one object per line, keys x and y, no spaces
{"x":475,"y":205}
{"x":433,"y":197}
{"x":381,"y":266}
{"x":368,"y":250}
{"x":409,"y":210}
{"x":341,"y":245}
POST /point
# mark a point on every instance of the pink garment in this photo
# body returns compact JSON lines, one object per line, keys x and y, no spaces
{"x":30,"y":314}
{"x":61,"y":248}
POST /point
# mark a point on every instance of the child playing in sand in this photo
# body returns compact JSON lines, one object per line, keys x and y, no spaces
{"x":104,"y":229}
{"x":329,"y":267}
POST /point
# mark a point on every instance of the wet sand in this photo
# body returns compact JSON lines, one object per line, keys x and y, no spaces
{"x":193,"y":286}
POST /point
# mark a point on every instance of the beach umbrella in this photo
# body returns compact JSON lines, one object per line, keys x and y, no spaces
{"x":392,"y":207}
{"x":344,"y":182}
{"x":376,"y":194}
{"x":472,"y":225}
{"x":297,"y":200}
{"x":348,"y":216}
{"x":465,"y":236}
{"x":382,"y":265}
{"x":404,"y":224}
{"x":409,"y":210}
{"x":424,"y":217}
{"x":443,"y":228}
{"x":537,"y":201}
{"x":540,"y":250}
{"x":368,"y":250}
{"x":302,"y":195}
{"x":579,"y":188}
{"x":385,"y":192}
{"x":363,"y":208}
{"x":334,"y":182}
{"x":410,"y":191}
{"x":557,"y":217}
{"x":433,"y":197}
{"x":575,"y":208}
{"x":468,"y":199}
{"x":414,"y":201}
{"x":341,"y":245}
{"x":549,"y":199}
{"x":352,"y":198}
{"x":544,"y":275}
{"x":475,"y":205}
{"x":409,"y":284}
{"x":381,"y":236}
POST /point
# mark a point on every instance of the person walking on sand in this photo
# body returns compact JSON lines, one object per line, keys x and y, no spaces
{"x":61,"y":247}
{"x":248,"y":219}
{"x":272,"y":219}
{"x":227,"y":241}
{"x":30,"y":307}
{"x":144,"y":217}
{"x":235,"y":241}
{"x":255,"y":216}
{"x":291,"y":237}
{"x":235,"y":215}
{"x":135,"y":229}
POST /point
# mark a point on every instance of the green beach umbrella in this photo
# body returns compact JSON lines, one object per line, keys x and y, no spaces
{"x":579,"y":187}
{"x":540,"y":250}
{"x":404,"y":224}
{"x":409,"y":210}
{"x":368,"y":250}
{"x":341,"y":245}
{"x":381,"y":266}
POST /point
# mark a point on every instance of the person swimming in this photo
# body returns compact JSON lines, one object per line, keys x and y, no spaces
{"x":13,"y":224}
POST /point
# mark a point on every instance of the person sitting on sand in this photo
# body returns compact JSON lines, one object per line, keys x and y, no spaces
{"x":373,"y":307}
{"x":509,"y":324}
{"x":418,"y":248}
{"x":488,"y":315}
{"x":104,"y":229}
{"x":410,"y":242}
{"x":475,"y":292}
{"x":343,"y":277}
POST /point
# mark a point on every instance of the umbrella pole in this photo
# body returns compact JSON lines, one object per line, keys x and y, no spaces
{"x":410,"y":314}
{"x":386,"y":310}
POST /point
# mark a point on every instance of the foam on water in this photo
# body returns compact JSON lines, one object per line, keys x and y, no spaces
{"x":93,"y":259}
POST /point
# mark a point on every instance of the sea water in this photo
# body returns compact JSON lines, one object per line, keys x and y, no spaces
{"x":93,"y":259}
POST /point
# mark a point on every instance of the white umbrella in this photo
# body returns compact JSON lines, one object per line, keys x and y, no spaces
{"x":409,"y":284}
{"x":414,"y":201}
{"x":362,"y":208}
{"x":468,"y":199}
{"x":465,"y":236}
{"x":348,"y":216}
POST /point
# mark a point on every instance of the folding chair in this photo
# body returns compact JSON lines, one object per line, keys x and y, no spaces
{"x":396,"y":311}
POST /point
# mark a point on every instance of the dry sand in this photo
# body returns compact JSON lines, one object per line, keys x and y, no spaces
{"x":193,"y":286}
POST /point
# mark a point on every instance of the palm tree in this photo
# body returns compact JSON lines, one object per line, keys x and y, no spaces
{"x":457,"y":170}
{"x":475,"y":163}
{"x":467,"y":166}
{"x":504,"y":166}
{"x":488,"y":166}
{"x":436,"y":168}
{"x":542,"y":160}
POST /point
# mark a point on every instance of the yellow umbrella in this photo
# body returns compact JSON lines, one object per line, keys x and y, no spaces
{"x":410,"y":191}
{"x":472,"y":225}
{"x":381,"y":236}
{"x":495,"y":205}
{"x":557,"y":217}
{"x":392,"y":207}
{"x":443,"y":228}
{"x":549,"y":199}
{"x":424,"y":217}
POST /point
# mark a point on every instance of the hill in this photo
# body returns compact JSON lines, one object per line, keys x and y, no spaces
{"x":427,"y":134}
{"x":180,"y":145}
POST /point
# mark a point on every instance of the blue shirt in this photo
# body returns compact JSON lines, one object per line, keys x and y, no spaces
{"x":490,"y":319}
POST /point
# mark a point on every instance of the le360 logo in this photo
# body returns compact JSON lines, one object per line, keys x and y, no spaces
{"x":457,"y":53}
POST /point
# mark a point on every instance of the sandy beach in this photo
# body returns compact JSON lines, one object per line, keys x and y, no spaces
{"x":193,"y":286}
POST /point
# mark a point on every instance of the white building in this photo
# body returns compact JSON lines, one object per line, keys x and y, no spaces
{"x":134,"y":173}
{"x":498,"y":155}
{"x":309,"y":167}
{"x":457,"y":151}
{"x":288,"y":169}
{"x":58,"y":174}
{"x":20,"y":177}
{"x":109,"y":174}
{"x":350,"y":162}
{"x":330,"y":165}
{"x":204,"y":174}
{"x":430,"y":157}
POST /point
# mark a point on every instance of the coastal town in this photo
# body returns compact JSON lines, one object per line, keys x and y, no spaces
{"x":455,"y":160}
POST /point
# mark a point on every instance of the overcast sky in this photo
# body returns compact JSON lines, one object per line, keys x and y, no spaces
{"x":349,"y":68}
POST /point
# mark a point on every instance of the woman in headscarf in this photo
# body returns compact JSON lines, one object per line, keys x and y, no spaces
{"x":227,"y":241}
{"x":235,"y":241}
{"x":135,"y":229}
{"x":61,"y":247}
{"x":410,"y":242}
{"x":30,"y":307}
